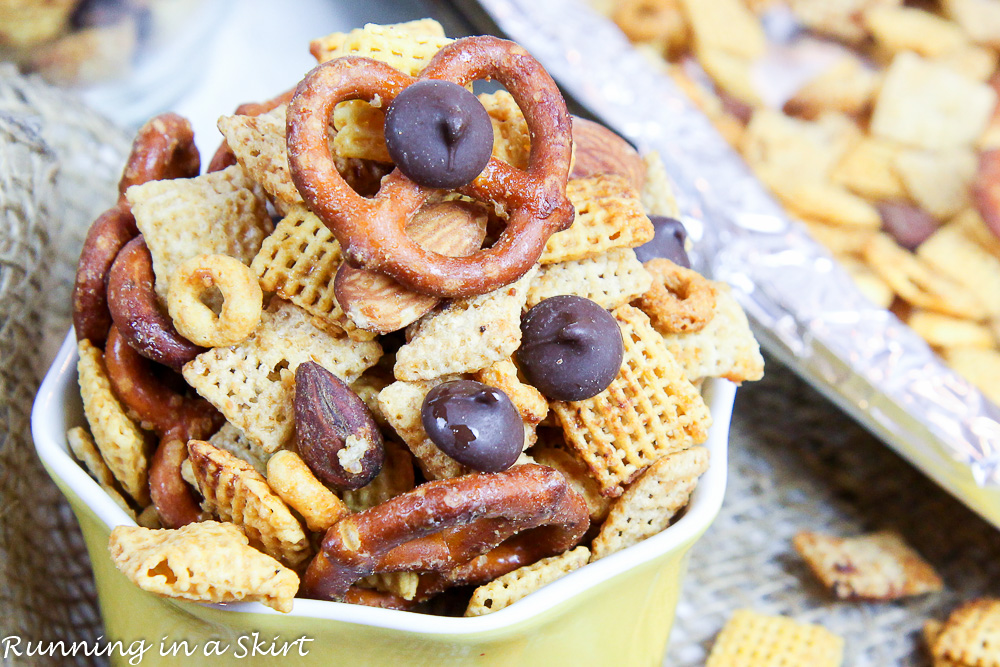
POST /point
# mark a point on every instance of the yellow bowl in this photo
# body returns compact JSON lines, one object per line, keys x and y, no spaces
{"x":618,"y":610}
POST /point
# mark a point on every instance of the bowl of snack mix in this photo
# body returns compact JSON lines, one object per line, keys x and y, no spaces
{"x":406,"y":373}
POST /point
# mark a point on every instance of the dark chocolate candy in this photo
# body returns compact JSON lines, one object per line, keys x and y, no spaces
{"x":668,"y":240}
{"x":571,"y":348}
{"x":438,"y":134}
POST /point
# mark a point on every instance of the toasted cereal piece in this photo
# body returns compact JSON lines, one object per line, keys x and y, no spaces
{"x":360,"y":131}
{"x":971,"y":635}
{"x":651,"y":502}
{"x":980,"y":20}
{"x":368,"y":386}
{"x":869,"y":282}
{"x":578,"y":475}
{"x":973,"y":62}
{"x":726,"y":25}
{"x":910,"y":29}
{"x":848,"y":86}
{"x":202,"y":562}
{"x":403,"y":584}
{"x":657,"y":194}
{"x":724,"y":348}
{"x":608,"y":215}
{"x":235,"y":492}
{"x":868,"y":169}
{"x":878,"y":566}
{"x":299,"y":262}
{"x":530,"y":403}
{"x":610,"y":280}
{"x":732,"y":74}
{"x":511,"y":137}
{"x":149,"y":517}
{"x":253,"y":383}
{"x":946,"y":331}
{"x":751,"y":639}
{"x":980,"y":367}
{"x":511,"y":587}
{"x":938,"y":181}
{"x":838,"y":239}
{"x":396,"y":477}
{"x":465,"y":335}
{"x":930,"y":633}
{"x":956,"y":251}
{"x":648,"y":411}
{"x":259,"y":145}
{"x":928,"y":105}
{"x":232,"y":440}
{"x":827,"y":202}
{"x":221,"y":213}
{"x":679,"y":300}
{"x":293,"y":481}
{"x":918,"y":283}
{"x":84,"y":449}
{"x":28,"y":24}
{"x":406,"y":46}
{"x":401,"y":403}
{"x":122,"y":445}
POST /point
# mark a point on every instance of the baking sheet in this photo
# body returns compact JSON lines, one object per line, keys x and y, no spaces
{"x":805,"y":308}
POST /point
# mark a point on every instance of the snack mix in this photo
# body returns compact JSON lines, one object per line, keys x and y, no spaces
{"x":876,"y":124}
{"x":398,"y":338}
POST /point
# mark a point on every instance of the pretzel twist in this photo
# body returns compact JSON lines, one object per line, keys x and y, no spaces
{"x":446,"y":523}
{"x":371,"y":231}
{"x":136,"y":311}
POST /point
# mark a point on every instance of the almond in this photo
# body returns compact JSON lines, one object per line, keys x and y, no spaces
{"x":376,"y":302}
{"x":598,"y":150}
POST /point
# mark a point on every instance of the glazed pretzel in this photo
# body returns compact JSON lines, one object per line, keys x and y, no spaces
{"x":136,"y":312}
{"x":446,"y":523}
{"x":163,"y":148}
{"x":371,"y":231}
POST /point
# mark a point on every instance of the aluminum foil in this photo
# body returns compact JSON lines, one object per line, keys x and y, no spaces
{"x":805,"y":308}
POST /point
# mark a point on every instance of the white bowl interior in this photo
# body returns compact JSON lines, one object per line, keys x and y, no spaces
{"x":57,"y":408}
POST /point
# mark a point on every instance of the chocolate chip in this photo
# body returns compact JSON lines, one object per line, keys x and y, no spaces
{"x":571,"y":348}
{"x":668,"y":240}
{"x":473,"y":423}
{"x":908,"y":224}
{"x":438,"y":134}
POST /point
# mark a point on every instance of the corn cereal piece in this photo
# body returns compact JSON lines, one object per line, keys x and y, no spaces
{"x":530,"y":403}
{"x":973,"y":62}
{"x":252,"y":383}
{"x":726,"y":25}
{"x":657,"y":194}
{"x":869,"y":282}
{"x":911,"y":29}
{"x":917,"y":283}
{"x":938,"y":181}
{"x":202,"y":562}
{"x":980,"y":19}
{"x":724,"y":348}
{"x":406,"y":46}
{"x":465,"y":335}
{"x":868,"y":169}
{"x":259,"y":145}
{"x":838,"y":239}
{"x":122,"y":445}
{"x":84,"y":449}
{"x":511,"y":587}
{"x":403,"y":584}
{"x":978,"y":366}
{"x":648,"y":411}
{"x":511,"y":138}
{"x":368,"y":386}
{"x":222,"y":213}
{"x":928,"y":105}
{"x":971,"y":635}
{"x":945,"y":331}
{"x":848,"y":86}
{"x":610,"y":280}
{"x":750,"y":639}
{"x":608,"y":215}
{"x":293,"y":481}
{"x":732,"y":73}
{"x":824,"y":201}
{"x":396,"y":477}
{"x":879,"y":566}
{"x":232,"y":440}
{"x":235,"y":492}
{"x":360,"y":131}
{"x":651,"y":502}
{"x":401,"y":403}
{"x":578,"y":475}
{"x":955,"y":251}
{"x":837,"y":18}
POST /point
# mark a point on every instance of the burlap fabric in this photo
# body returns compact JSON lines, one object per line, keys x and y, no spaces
{"x":796,"y":463}
{"x":59,"y":165}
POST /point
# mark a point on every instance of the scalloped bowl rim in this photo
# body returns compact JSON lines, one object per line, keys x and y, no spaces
{"x":50,"y":419}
